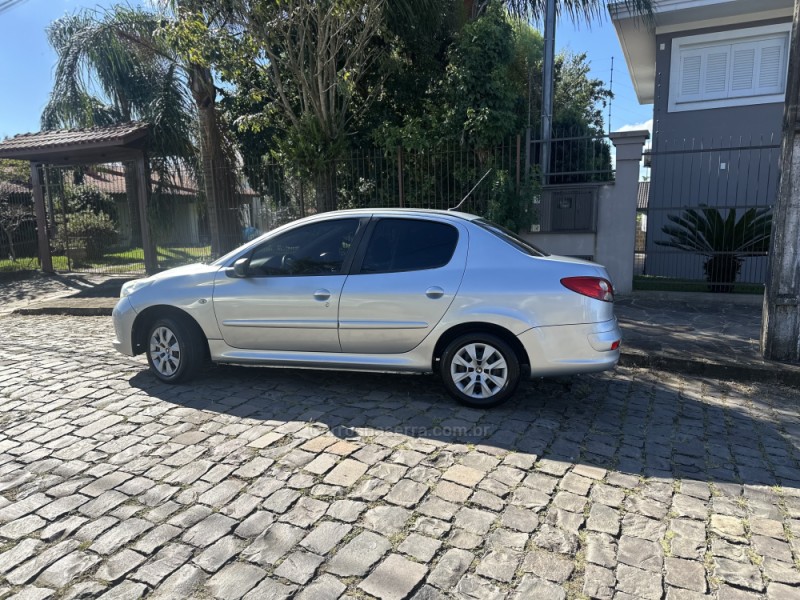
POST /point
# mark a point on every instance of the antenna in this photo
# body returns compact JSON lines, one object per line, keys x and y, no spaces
{"x":611,"y":89}
{"x":464,"y":199}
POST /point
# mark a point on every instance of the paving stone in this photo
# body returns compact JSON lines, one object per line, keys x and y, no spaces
{"x":219,"y":553}
{"x":299,"y":567}
{"x":66,"y":569}
{"x":641,"y":553}
{"x":642,"y":527}
{"x":269,"y":547}
{"x":127,"y":590}
{"x":781,"y":572}
{"x":322,"y":464}
{"x":500,"y":564}
{"x":61,"y":506}
{"x":601,"y":549}
{"x":22,"y":527}
{"x":556,"y":540}
{"x":420,"y":547}
{"x":324,"y":587}
{"x":255,"y":524}
{"x":729,"y":528}
{"x":576,"y":484}
{"x":535,"y":587}
{"x":235,"y":580}
{"x":105,"y":483}
{"x":406,"y":493}
{"x":119,"y":565}
{"x":38,"y":562}
{"x":209,"y":530}
{"x":766,"y":546}
{"x":33,"y":593}
{"x":459,"y":538}
{"x":738,"y":574}
{"x":394,"y":578}
{"x":548,"y":565}
{"x":306,"y":512}
{"x":687,"y":506}
{"x":687,"y":574}
{"x":358,"y":555}
{"x":779,"y":591}
{"x":465,"y":476}
{"x":102,"y":504}
{"x":603,"y":519}
{"x":346,"y":473}
{"x":639,"y":583}
{"x":474,"y":520}
{"x":222,"y":493}
{"x":450,"y":567}
{"x":270,"y":589}
{"x":520,"y":519}
{"x":599,"y":582}
{"x":156,"y":538}
{"x":189,"y":517}
{"x":181,"y":584}
{"x":325,"y":536}
{"x":387,"y":520}
{"x":452,"y":492}
{"x":168,"y":559}
{"x":18,"y":553}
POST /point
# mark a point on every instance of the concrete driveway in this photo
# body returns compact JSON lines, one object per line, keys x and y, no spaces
{"x":266,"y":484}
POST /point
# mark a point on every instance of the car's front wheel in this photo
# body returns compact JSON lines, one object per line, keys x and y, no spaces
{"x":174,"y":350}
{"x":480,"y":370}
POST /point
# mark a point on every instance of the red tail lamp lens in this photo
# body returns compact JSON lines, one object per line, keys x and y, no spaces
{"x":615,"y":345}
{"x":594,"y":287}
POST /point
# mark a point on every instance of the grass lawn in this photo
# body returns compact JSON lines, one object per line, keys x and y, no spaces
{"x":131,"y":260}
{"x":666,"y":284}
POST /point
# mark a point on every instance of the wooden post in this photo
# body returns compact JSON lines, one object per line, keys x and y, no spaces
{"x":150,"y":258}
{"x":45,"y":259}
{"x":780,"y":324}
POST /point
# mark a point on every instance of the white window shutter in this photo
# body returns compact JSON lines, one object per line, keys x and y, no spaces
{"x":691,"y":68}
{"x":770,"y":68}
{"x":716,"y":76}
{"x":743,"y":69}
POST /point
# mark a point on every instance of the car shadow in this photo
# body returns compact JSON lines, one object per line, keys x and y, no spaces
{"x":637,"y":422}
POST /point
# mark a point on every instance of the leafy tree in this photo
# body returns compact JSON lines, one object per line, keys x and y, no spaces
{"x":101,"y":79}
{"x":725,"y":241}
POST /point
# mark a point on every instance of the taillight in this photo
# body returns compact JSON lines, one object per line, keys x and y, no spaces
{"x":594,"y":287}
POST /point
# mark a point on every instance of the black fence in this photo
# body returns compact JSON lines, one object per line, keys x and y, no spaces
{"x":93,"y":219}
{"x":704,"y":217}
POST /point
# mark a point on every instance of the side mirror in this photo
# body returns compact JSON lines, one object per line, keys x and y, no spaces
{"x":240,"y":268}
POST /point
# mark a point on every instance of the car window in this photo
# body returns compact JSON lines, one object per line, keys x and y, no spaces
{"x":510,"y":237}
{"x":409,"y":245}
{"x":316,"y":249}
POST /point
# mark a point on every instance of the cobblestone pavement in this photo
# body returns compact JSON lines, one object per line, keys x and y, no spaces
{"x":20,"y":289}
{"x":269,"y":484}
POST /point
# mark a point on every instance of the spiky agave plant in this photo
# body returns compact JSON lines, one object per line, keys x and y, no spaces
{"x":725,"y":241}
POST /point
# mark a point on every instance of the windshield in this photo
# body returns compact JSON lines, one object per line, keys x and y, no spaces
{"x":510,"y":237}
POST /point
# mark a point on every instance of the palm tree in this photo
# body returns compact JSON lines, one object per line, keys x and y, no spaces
{"x":102,"y":79}
{"x":724,"y":241}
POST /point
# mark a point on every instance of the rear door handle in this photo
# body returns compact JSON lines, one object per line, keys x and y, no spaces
{"x":434,"y":292}
{"x":322,"y":295}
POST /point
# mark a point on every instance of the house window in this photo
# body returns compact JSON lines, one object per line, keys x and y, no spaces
{"x":731,"y":68}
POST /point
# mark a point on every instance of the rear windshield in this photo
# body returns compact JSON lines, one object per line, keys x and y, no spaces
{"x":511,"y":238}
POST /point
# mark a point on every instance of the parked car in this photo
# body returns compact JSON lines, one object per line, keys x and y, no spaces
{"x":390,"y":290}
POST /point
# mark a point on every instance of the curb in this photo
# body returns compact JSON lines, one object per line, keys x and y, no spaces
{"x":74,"y":311}
{"x":783,"y":374}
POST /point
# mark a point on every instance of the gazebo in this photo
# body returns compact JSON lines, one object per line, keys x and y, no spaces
{"x":72,"y":147}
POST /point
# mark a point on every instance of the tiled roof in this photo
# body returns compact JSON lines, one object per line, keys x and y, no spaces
{"x":644,"y":195}
{"x":54,"y":140}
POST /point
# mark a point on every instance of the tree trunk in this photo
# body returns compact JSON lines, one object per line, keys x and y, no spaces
{"x":132,"y":195}
{"x":218,"y":177}
{"x":326,"y":194}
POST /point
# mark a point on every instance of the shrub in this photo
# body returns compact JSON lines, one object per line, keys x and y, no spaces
{"x":94,"y":232}
{"x":87,"y":198}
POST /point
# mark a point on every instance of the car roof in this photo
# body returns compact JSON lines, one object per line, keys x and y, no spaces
{"x":397,"y":211}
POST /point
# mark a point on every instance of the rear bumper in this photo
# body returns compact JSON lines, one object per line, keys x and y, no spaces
{"x":571,"y":349}
{"x":123,"y":316}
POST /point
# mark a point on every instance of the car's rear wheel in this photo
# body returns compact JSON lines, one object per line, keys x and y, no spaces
{"x":174,"y":349}
{"x":480,"y":370}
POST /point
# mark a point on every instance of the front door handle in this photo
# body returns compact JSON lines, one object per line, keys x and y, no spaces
{"x":434,"y":292}
{"x":322,"y":295}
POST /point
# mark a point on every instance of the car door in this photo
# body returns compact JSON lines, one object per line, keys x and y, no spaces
{"x":289,"y":299}
{"x":402,"y":283}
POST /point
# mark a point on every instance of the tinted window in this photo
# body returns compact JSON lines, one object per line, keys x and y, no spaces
{"x":315,"y":249}
{"x":409,"y":245}
{"x":510,"y":238}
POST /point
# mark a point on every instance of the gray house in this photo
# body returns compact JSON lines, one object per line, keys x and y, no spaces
{"x":715,"y":72}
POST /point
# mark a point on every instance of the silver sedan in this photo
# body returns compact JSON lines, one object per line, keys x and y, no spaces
{"x":380,"y":290}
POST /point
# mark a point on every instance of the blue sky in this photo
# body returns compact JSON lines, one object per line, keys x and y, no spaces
{"x":26,"y":63}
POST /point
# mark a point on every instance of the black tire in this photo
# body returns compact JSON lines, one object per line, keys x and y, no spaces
{"x":186,"y":347}
{"x":479,"y":391}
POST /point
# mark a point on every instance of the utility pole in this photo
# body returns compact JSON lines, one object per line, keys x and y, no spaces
{"x":780,"y":324}
{"x":547,"y":86}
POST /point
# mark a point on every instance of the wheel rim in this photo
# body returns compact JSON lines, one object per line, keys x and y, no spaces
{"x":165,"y":351}
{"x":479,"y":370}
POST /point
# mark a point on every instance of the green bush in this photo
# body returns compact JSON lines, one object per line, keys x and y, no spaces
{"x":83,"y":198}
{"x":94,"y":232}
